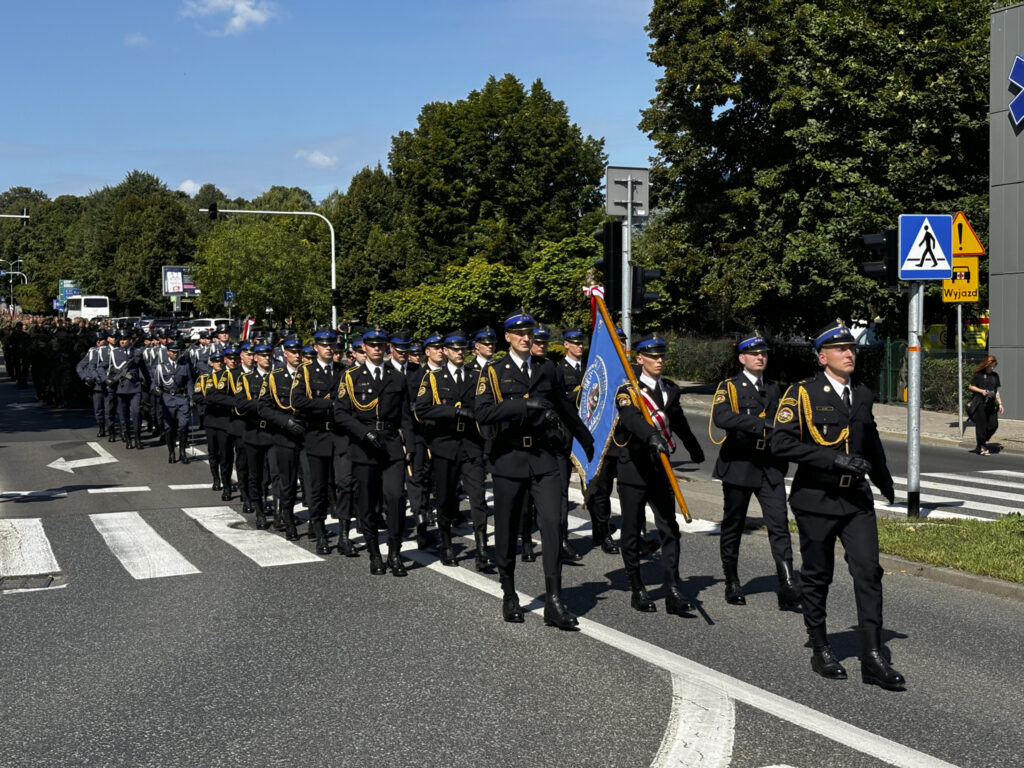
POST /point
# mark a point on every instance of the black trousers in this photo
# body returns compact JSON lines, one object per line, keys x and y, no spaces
{"x":241,"y":466}
{"x":859,"y":534}
{"x":511,"y":495}
{"x":600,"y":502}
{"x":418,"y":483}
{"x":110,"y":409}
{"x":773,"y":508}
{"x":376,"y":483}
{"x":287,"y":460}
{"x":446,"y":473}
{"x":633,"y":500}
{"x":343,"y":486}
{"x":220,"y":445}
{"x":175,"y":415}
{"x":317,"y":483}
{"x":256,"y":458}
{"x":985,"y":425}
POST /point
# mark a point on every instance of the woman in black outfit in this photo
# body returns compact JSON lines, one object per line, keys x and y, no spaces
{"x":986,"y":405}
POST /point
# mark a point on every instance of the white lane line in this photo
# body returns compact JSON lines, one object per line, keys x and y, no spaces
{"x":987,"y":481}
{"x":942,"y":505}
{"x":143,"y":552}
{"x":24,"y":548}
{"x":700,"y":728}
{"x":264,"y":548}
{"x":121,"y":489}
{"x":695,"y":674}
{"x":1003,"y":473}
{"x":190,"y":487}
{"x":56,"y":493}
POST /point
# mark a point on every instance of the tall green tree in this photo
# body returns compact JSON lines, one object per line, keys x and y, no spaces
{"x":786,"y":130}
{"x":496,"y":173}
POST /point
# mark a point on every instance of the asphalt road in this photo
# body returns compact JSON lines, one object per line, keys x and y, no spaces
{"x":316,"y":662}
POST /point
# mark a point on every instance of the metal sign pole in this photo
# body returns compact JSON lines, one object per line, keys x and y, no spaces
{"x":627,"y":270}
{"x":914,"y":400}
{"x":960,"y":367}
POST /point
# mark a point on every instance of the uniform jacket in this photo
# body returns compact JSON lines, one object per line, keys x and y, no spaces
{"x":812,"y":425}
{"x":227,"y":398}
{"x":173,"y":381}
{"x":746,"y":458}
{"x":635,"y":465}
{"x":525,"y":442}
{"x":275,"y":405}
{"x":124,"y":366}
{"x":93,"y":366}
{"x":572,"y":380}
{"x":247,"y":396}
{"x":436,"y":400}
{"x":313,"y":400}
{"x":363,"y":405}
{"x":212,"y":390}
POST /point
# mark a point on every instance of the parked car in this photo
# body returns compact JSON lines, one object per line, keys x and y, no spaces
{"x":200,"y":324}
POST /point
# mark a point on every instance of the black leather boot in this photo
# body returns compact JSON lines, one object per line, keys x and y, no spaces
{"x":226,"y":493}
{"x":555,"y":612}
{"x":447,"y":553}
{"x":648,"y":546}
{"x":102,"y":432}
{"x":733,"y":590}
{"x":171,"y":457}
{"x":675,"y":603}
{"x":874,"y":668}
{"x":112,"y":436}
{"x":322,"y":547}
{"x":603,"y":538}
{"x":183,"y":449}
{"x":823,"y":660}
{"x":395,"y":563}
{"x":422,"y":534}
{"x":289,"y":524}
{"x":482,"y":561}
{"x":277,"y":515}
{"x":376,"y":563}
{"x":511,"y":611}
{"x":569,"y":555}
{"x":215,"y":471}
{"x":346,"y":546}
{"x":789,"y":598}
{"x":261,"y":516}
{"x":640,"y":600}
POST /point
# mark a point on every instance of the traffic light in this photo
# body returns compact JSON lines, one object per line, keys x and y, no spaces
{"x":886,"y":246}
{"x":213,"y":211}
{"x":642,"y":292}
{"x":610,"y":265}
{"x":336,"y":297}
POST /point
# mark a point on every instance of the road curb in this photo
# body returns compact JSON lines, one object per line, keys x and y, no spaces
{"x":997,"y":587}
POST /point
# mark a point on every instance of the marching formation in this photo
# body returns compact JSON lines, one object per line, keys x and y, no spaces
{"x":362,"y":433}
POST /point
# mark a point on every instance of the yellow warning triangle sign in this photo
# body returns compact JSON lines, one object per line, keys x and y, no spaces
{"x":965,"y":241}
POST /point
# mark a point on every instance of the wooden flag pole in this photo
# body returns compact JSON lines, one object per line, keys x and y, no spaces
{"x":665,"y":463}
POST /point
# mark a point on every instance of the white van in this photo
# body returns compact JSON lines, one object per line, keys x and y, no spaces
{"x":87,"y":307}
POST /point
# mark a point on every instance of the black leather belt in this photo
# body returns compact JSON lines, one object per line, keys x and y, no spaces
{"x":833,"y":481}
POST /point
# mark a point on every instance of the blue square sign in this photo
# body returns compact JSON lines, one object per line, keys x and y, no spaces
{"x":926,"y":247}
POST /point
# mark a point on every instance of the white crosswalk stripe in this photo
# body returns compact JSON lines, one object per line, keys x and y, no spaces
{"x":264,"y":548}
{"x":24,"y":548}
{"x":967,"y":496}
{"x":143,"y":552}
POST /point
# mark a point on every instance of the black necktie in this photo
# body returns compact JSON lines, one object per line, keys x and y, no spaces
{"x":376,"y":375}
{"x":846,"y":397}
{"x":760,"y":387}
{"x":658,"y":397}
{"x":526,"y":370}
{"x":458,"y":377}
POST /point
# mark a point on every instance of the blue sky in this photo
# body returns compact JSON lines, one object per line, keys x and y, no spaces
{"x":247,"y":94}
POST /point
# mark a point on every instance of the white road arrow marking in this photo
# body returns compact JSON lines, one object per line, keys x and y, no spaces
{"x":64,"y":465}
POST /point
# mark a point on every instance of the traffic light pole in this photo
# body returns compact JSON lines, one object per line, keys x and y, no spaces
{"x":334,"y":267}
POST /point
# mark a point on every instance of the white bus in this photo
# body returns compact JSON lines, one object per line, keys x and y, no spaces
{"x":87,"y":307}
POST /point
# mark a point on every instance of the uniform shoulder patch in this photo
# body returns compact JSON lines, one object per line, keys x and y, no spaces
{"x":788,"y":401}
{"x":481,"y":387}
{"x":198,"y":387}
{"x":785,"y":415}
{"x":719,"y":398}
{"x":423,"y":389}
{"x":622,"y":401}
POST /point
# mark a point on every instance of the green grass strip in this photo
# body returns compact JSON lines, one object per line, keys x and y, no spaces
{"x":993,"y":549}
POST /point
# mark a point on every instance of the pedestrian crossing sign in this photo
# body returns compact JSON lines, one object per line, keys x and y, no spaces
{"x":926,"y":247}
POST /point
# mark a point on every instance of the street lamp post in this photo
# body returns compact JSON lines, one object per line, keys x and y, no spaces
{"x":334,"y":266}
{"x":9,"y":270}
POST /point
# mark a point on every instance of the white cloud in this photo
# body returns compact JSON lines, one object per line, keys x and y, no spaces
{"x":136,"y":40}
{"x":189,"y":187}
{"x":316,"y":158}
{"x":242,"y":14}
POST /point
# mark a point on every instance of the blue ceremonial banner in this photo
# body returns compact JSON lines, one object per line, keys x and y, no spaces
{"x":604,"y":375}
